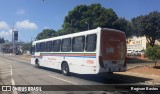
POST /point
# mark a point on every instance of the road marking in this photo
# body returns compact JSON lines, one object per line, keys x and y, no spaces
{"x":12,"y":81}
{"x":5,"y":74}
{"x":3,"y":71}
{"x":11,"y":68}
{"x":63,"y":80}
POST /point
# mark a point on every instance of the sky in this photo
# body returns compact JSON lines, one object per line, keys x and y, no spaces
{"x":30,"y":17}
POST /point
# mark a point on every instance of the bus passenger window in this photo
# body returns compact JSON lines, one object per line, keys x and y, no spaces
{"x":37,"y":47}
{"x":66,"y":45}
{"x":49,"y":46}
{"x":78,"y":44}
{"x":91,"y":42}
{"x":56,"y":45}
{"x":42,"y":47}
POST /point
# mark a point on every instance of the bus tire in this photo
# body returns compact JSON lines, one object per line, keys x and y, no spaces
{"x":110,"y":73}
{"x":65,"y":69}
{"x":37,"y":64}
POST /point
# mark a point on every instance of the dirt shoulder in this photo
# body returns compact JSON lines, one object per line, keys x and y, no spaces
{"x":145,"y":71}
{"x":25,"y":57}
{"x":151,"y":70}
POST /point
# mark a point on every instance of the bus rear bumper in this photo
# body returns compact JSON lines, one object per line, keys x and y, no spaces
{"x":113,"y":69}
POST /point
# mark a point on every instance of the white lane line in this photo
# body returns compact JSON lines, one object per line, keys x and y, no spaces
{"x":12,"y":81}
{"x":11,"y":68}
{"x":5,"y":72}
{"x":63,"y":80}
{"x":5,"y":69}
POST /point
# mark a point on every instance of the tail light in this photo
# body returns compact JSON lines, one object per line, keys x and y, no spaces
{"x":101,"y":61}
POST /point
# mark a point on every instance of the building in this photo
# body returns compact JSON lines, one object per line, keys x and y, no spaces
{"x":8,"y":47}
{"x":157,"y":42}
{"x":136,"y":43}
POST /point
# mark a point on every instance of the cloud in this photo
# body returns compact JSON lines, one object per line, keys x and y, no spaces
{"x":20,"y":12}
{"x":4,"y":25}
{"x":6,"y":34}
{"x":26,"y":24}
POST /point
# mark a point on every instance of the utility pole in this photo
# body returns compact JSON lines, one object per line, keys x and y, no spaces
{"x":13,"y":40}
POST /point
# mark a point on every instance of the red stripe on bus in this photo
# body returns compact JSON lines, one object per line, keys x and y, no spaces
{"x":49,"y":54}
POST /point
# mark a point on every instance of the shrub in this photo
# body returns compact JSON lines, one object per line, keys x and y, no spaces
{"x":153,"y":53}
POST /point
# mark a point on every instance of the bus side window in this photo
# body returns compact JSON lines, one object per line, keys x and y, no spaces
{"x":78,"y":44}
{"x":66,"y":45}
{"x":56,"y":45}
{"x":48,"y":46}
{"x":42,"y":47}
{"x":37,"y":47}
{"x":91,"y":42}
{"x":33,"y":50}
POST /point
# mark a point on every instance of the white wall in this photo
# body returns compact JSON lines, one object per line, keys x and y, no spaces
{"x":136,"y":43}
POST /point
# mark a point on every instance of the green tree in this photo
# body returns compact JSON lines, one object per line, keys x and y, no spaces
{"x":147,"y":25}
{"x":83,"y":17}
{"x":153,"y":53}
{"x":123,"y":25}
{"x":94,"y":15}
{"x":47,"y":33}
{"x":26,"y":47}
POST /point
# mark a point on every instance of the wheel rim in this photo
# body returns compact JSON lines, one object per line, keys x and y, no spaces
{"x":65,"y":69}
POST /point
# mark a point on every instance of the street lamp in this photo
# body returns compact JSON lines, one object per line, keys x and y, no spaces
{"x":87,"y":24}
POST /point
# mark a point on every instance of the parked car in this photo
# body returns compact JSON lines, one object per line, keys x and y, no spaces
{"x":18,"y":52}
{"x":137,"y":52}
{"x":129,"y":52}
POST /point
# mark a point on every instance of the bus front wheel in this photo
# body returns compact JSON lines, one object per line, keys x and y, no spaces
{"x":36,"y":63}
{"x":65,"y":69}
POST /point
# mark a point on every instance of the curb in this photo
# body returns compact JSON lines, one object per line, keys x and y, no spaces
{"x":152,"y":83}
{"x":138,"y":67}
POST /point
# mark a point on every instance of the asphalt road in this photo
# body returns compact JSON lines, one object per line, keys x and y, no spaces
{"x":16,"y":71}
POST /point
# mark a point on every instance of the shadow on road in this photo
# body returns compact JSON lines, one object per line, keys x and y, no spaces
{"x":108,"y":79}
{"x":137,"y":59}
{"x":113,"y":78}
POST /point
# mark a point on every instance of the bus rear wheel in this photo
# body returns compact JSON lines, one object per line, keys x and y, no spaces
{"x":65,"y":69}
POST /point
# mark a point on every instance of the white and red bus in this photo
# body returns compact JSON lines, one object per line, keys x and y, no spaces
{"x":89,"y":52}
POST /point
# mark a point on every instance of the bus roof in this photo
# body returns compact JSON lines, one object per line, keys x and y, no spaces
{"x":77,"y":34}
